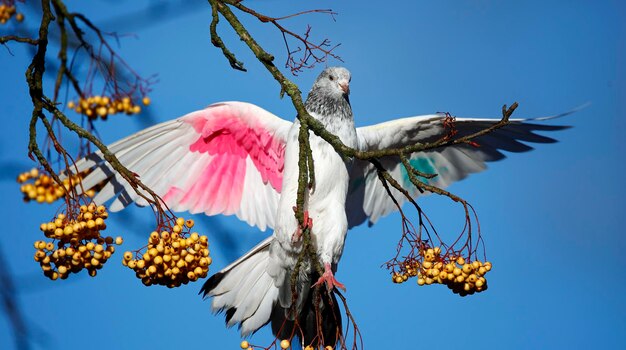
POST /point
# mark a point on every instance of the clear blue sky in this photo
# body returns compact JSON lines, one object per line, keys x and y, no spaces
{"x":553,"y":219}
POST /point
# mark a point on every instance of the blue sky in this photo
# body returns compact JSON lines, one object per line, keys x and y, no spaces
{"x":552,"y":219}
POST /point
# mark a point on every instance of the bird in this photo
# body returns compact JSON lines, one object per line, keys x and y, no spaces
{"x":236,"y":158}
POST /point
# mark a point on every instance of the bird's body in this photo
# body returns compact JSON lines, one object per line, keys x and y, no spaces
{"x":325,"y":204}
{"x":236,"y":158}
{"x":326,"y":201}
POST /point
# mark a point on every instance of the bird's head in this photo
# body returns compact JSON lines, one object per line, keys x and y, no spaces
{"x":329,"y":95}
{"x":335,"y":81}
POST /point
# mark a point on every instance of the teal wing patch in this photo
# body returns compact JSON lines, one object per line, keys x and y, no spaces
{"x":423,"y":164}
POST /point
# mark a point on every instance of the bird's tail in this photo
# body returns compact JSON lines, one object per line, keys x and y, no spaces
{"x":316,"y":326}
{"x":249,"y":297}
{"x":244,"y":290}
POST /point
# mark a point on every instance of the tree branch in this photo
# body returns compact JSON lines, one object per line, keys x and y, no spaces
{"x":5,"y":39}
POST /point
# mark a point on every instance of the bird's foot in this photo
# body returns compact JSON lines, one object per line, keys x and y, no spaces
{"x":329,"y":278}
{"x":308,"y":224}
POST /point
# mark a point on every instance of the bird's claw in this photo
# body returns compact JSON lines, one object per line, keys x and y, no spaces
{"x":329,"y":278}
{"x":308,"y":224}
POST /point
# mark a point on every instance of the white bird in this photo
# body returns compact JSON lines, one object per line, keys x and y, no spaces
{"x":236,"y":158}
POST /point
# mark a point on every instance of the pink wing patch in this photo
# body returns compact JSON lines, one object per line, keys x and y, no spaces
{"x":229,"y":138}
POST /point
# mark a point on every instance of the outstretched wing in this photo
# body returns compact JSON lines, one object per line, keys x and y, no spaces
{"x":367,"y":198}
{"x":225,"y":159}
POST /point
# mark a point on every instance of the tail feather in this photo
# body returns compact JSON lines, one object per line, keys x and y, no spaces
{"x":319,"y":334}
{"x":248,"y":296}
{"x":251,"y":292}
{"x":238,"y":282}
{"x":262,"y":315}
{"x":244,"y":290}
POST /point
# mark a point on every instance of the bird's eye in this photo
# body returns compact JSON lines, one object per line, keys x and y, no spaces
{"x":331,"y":77}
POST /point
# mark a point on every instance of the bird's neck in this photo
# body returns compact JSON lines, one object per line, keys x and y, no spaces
{"x":329,"y":109}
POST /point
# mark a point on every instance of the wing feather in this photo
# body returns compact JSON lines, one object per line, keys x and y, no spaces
{"x":225,"y":159}
{"x":367,"y":198}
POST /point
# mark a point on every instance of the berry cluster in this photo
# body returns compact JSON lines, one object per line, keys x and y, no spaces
{"x":172,"y":257}
{"x":8,"y":11}
{"x":95,"y":107}
{"x":463,"y":278}
{"x":78,"y":243}
{"x":42,"y":188}
{"x":284,"y":344}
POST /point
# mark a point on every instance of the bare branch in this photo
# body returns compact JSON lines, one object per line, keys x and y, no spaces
{"x":5,"y":39}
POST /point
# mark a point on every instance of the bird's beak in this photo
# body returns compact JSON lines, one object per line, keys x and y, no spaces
{"x":345,"y":86}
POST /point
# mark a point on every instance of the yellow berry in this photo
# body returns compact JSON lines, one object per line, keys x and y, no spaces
{"x":284,"y":344}
{"x":119,"y":240}
{"x":146,"y":101}
{"x":102,"y":111}
{"x":244,"y":344}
